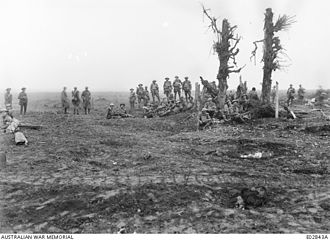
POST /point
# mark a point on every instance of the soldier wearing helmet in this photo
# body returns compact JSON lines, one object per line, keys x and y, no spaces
{"x":154,"y":91}
{"x":177,"y":87}
{"x":75,"y":101}
{"x":23,"y":101}
{"x":186,"y":86}
{"x":167,"y":87}
{"x":132,"y":99}
{"x":8,"y":99}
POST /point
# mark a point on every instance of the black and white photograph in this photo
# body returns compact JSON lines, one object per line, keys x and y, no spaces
{"x":126,"y":117}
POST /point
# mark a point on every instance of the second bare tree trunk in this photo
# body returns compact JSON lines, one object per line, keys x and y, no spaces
{"x":268,"y":56}
{"x":222,"y":49}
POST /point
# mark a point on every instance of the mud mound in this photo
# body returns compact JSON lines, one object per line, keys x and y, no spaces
{"x":317,"y":129}
{"x":181,"y":122}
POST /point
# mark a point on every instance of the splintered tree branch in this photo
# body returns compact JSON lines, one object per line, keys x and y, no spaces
{"x":254,"y":52}
{"x":213,"y":20}
{"x":236,"y":70}
{"x":235,"y":44}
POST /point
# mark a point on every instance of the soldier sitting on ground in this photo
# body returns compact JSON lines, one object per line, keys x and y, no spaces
{"x":123,"y":112}
{"x":112,"y":112}
{"x":210,"y":106}
{"x":190,"y":103}
{"x":204,"y":119}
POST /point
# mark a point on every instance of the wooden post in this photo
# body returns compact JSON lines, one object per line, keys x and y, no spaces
{"x":197,"y":102}
{"x":276,"y":101}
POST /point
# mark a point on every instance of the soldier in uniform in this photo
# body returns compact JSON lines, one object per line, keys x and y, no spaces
{"x":132,"y":99}
{"x":210,"y":107}
{"x":204,"y":118}
{"x":23,"y":100}
{"x":8,"y":99}
{"x":140,"y":94}
{"x":177,"y":87}
{"x":123,"y":111}
{"x":290,"y":95}
{"x":111,"y":111}
{"x":253,"y":95}
{"x":75,"y":101}
{"x":190,"y":103}
{"x":154,"y":91}
{"x":301,"y":94}
{"x":146,"y":96}
{"x":241,"y":89}
{"x":186,"y":86}
{"x":86,"y":98}
{"x":167,"y":87}
{"x":65,"y":100}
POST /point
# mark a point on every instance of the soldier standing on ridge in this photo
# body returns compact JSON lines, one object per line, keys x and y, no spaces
{"x":290,"y":95}
{"x":132,"y":99}
{"x":75,"y":101}
{"x":167,"y":87}
{"x":23,"y":100}
{"x":140,"y":94}
{"x":146,"y":96}
{"x":65,"y":100}
{"x":186,"y":86}
{"x":301,"y":94}
{"x":177,"y":87}
{"x":86,"y":97}
{"x":8,"y":99}
{"x":154,"y":91}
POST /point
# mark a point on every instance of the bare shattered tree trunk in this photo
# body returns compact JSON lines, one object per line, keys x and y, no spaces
{"x":226,"y":55}
{"x":222,"y":49}
{"x":272,"y":50}
{"x":268,"y":57}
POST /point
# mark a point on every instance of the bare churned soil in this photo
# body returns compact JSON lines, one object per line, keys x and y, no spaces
{"x":87,"y":174}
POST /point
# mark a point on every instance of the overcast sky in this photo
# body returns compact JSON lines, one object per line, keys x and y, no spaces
{"x":117,"y":44}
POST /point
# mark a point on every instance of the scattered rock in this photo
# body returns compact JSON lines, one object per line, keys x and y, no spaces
{"x":53,"y":229}
{"x":40,"y":226}
{"x":312,"y":210}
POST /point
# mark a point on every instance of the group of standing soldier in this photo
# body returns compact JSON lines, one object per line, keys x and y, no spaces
{"x":290,"y":94}
{"x":171,"y":91}
{"x":85,"y":98}
{"x":22,"y":97}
